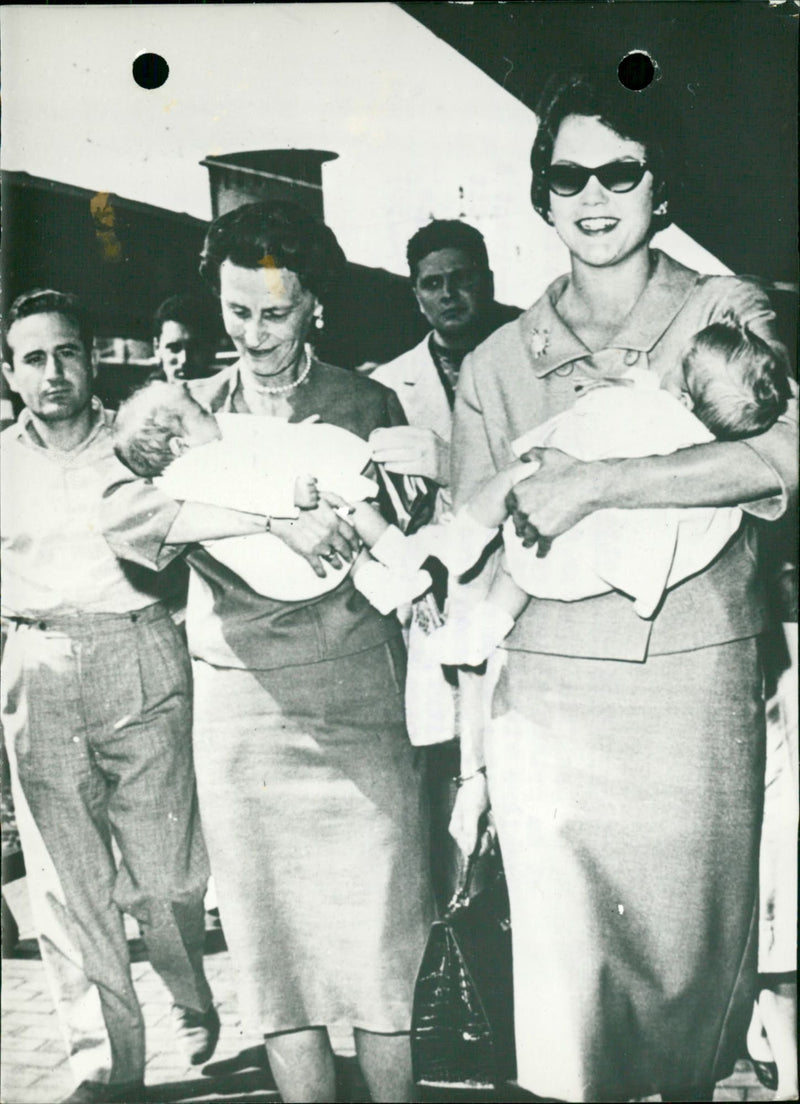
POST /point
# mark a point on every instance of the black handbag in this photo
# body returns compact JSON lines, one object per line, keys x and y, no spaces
{"x":462,"y":1025}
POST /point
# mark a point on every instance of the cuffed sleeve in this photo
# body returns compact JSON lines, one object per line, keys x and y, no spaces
{"x":136,"y":518}
{"x":778,"y":449}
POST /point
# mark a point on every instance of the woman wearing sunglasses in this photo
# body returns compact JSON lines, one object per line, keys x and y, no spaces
{"x":624,"y":757}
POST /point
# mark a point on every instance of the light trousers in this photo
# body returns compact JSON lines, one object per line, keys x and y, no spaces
{"x":96,"y":714}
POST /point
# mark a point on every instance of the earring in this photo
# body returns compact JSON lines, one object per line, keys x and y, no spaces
{"x":662,"y":208}
{"x":319,"y":321}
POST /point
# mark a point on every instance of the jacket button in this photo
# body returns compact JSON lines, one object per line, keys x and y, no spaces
{"x":631,"y":357}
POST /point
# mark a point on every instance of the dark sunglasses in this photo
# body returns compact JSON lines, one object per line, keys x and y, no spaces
{"x":616,"y":176}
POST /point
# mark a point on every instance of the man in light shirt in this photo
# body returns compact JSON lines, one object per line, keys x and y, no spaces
{"x":96,"y":713}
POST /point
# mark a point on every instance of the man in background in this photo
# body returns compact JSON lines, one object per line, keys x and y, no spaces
{"x":184,"y":339}
{"x":454,"y":288}
{"x":96,"y":713}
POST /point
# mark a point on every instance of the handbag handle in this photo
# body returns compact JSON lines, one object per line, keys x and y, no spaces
{"x":460,"y":898}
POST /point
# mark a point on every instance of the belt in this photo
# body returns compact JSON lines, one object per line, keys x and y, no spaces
{"x":73,"y":621}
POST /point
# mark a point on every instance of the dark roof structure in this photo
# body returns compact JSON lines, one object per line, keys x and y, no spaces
{"x":727,"y":79}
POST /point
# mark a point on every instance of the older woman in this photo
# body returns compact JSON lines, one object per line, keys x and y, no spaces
{"x":624,"y":758}
{"x":309,"y":790}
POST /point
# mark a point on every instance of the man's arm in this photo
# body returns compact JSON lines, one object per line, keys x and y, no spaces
{"x":144,"y":525}
{"x":410,"y":450}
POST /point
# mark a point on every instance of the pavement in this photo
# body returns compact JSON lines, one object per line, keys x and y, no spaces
{"x":35,"y":1070}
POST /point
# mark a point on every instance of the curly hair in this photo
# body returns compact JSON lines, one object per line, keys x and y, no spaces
{"x":145,"y":424}
{"x":285,"y":233}
{"x":631,"y":115}
{"x":446,"y":234}
{"x":739,"y":386}
{"x":48,"y":301}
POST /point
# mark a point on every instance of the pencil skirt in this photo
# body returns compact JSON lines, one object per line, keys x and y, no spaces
{"x":317,"y":833}
{"x":628,"y":801}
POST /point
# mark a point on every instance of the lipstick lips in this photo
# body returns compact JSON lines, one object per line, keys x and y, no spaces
{"x":597,"y":224}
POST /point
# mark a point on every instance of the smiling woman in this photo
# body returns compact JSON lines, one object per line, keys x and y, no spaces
{"x":272,"y":271}
{"x":267,"y":314}
{"x":309,"y":790}
{"x":624,"y":754}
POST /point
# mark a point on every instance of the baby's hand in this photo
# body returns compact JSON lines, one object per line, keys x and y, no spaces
{"x":470,"y":637}
{"x":306,"y":492}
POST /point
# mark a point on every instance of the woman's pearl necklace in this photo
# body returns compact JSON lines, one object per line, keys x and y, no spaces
{"x":284,"y":388}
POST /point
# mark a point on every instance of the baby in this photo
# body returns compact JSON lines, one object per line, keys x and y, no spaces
{"x":729,"y":385}
{"x":262,"y":465}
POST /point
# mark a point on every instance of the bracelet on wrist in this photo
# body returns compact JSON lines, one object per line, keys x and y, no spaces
{"x":462,"y":778}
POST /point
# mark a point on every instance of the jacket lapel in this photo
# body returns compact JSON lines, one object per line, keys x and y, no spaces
{"x":421,"y":393}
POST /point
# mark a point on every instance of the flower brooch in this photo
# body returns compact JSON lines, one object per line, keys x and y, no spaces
{"x":539,"y":341}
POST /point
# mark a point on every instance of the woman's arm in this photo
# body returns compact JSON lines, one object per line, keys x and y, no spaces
{"x":320,"y":536}
{"x":758,"y":473}
{"x":472,"y":799}
{"x":410,"y":450}
{"x":565,"y":490}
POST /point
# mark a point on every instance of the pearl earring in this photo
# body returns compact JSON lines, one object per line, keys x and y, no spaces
{"x":662,"y":208}
{"x":319,"y":321}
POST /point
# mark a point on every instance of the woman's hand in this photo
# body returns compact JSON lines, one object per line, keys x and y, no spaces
{"x":561,"y":493}
{"x":319,"y":536}
{"x":469,"y":810}
{"x":412,"y":450}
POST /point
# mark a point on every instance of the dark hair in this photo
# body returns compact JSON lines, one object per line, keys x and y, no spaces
{"x":145,"y":424}
{"x":285,"y":233}
{"x":446,"y":234}
{"x":748,"y":393}
{"x":190,"y":311}
{"x":47,"y":301}
{"x":631,"y":115}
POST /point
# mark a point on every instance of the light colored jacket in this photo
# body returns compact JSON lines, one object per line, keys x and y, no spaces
{"x":525,"y":373}
{"x":414,"y":378}
{"x":430,"y":698}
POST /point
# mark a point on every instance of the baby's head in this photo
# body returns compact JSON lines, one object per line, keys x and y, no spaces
{"x":736,"y":384}
{"x":157,"y":423}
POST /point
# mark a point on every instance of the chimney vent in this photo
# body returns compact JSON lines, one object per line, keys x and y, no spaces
{"x":250,"y":176}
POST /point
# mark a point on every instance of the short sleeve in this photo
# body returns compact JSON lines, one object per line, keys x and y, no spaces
{"x":136,"y":518}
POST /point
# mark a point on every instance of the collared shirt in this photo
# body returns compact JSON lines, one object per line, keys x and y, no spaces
{"x":55,"y":558}
{"x":448,"y":361}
